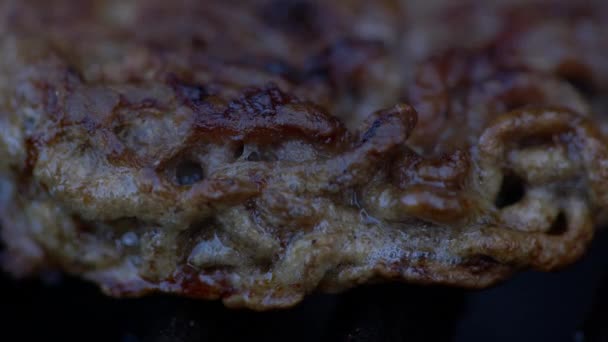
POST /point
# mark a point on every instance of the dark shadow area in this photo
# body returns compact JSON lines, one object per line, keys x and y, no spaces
{"x":537,"y":306}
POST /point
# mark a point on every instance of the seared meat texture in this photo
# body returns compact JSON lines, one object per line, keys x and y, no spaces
{"x":258,"y":151}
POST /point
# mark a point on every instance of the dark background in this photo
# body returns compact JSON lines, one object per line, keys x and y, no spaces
{"x":570,"y":305}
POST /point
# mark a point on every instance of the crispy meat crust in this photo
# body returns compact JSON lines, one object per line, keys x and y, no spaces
{"x":188,"y":147}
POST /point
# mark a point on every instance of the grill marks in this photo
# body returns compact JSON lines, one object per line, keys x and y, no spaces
{"x":262,"y":115}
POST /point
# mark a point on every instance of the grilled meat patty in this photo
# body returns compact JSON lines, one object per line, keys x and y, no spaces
{"x":258,"y":151}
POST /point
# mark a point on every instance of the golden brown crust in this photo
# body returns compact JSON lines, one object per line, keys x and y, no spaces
{"x":155,"y":160}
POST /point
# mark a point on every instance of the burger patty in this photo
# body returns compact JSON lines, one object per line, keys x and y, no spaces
{"x":258,"y":151}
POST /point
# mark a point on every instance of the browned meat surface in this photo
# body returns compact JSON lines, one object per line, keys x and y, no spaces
{"x":258,"y":151}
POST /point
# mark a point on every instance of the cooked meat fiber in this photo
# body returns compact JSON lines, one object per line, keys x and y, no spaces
{"x":258,"y":151}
